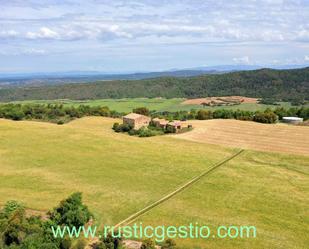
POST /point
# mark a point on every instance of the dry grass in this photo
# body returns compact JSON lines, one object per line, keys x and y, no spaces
{"x":244,"y":134}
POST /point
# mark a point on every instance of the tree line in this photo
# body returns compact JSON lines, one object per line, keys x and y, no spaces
{"x":277,"y":85}
{"x":61,"y":114}
{"x":266,"y":116}
{"x":53,"y":113}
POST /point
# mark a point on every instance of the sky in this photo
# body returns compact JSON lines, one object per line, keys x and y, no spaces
{"x":150,"y":35}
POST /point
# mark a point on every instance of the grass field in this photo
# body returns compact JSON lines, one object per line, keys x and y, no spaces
{"x":158,"y":104}
{"x":42,"y":163}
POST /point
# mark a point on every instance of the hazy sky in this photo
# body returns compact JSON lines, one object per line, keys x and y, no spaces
{"x":64,"y":35}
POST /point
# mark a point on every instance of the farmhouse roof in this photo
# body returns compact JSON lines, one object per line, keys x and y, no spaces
{"x":134,"y":116}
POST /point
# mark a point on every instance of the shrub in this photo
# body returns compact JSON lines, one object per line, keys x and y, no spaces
{"x":60,"y":122}
{"x":133,"y":132}
{"x":80,"y":244}
{"x":145,"y":132}
{"x":266,"y":117}
{"x":148,"y":244}
{"x":11,"y":206}
{"x":169,"y":244}
{"x":112,"y":242}
{"x":115,"y":126}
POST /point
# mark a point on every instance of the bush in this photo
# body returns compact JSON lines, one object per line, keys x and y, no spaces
{"x":266,"y":117}
{"x":12,"y":206}
{"x":169,"y":244}
{"x":145,"y":132}
{"x":133,"y":132}
{"x":80,"y":244}
{"x":115,"y":126}
{"x":111,"y":242}
{"x":16,"y":115}
{"x":148,"y":244}
{"x":60,"y":122}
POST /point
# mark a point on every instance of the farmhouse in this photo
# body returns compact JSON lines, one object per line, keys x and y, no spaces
{"x":136,"y":121}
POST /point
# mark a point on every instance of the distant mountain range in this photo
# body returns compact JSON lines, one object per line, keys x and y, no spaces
{"x":15,"y":79}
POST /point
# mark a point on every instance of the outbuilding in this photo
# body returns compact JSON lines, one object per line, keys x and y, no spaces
{"x":160,"y":123}
{"x":174,"y":125}
{"x":292,"y":120}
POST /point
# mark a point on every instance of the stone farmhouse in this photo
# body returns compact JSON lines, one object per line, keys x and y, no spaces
{"x":136,"y":121}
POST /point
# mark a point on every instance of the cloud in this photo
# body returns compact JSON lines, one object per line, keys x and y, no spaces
{"x":120,"y":33}
{"x":242,"y":60}
{"x":6,"y":34}
{"x":23,"y":51}
{"x":33,"y":51}
{"x":306,"y":58}
{"x":43,"y":33}
{"x":255,"y":21}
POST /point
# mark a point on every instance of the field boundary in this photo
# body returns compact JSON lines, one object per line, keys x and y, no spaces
{"x":136,"y":215}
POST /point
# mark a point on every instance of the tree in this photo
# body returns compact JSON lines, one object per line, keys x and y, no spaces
{"x":71,"y":212}
{"x":142,"y":111}
{"x":204,"y":114}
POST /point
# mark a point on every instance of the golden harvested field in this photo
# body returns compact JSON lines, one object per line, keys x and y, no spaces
{"x":220,"y":100}
{"x":244,"y":134}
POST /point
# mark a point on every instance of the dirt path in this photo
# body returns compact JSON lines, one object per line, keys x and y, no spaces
{"x":136,"y":215}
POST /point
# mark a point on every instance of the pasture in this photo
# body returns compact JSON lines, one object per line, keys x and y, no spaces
{"x":42,"y":163}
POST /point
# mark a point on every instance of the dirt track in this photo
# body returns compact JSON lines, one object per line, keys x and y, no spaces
{"x":250,"y":135}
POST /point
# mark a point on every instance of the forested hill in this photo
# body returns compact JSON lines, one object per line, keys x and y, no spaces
{"x":265,"y":83}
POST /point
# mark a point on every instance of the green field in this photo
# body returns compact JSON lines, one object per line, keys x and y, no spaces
{"x":42,"y":163}
{"x":158,"y":104}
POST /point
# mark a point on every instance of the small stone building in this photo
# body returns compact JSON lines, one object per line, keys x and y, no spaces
{"x":160,"y":123}
{"x":176,"y":126}
{"x":136,"y":121}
